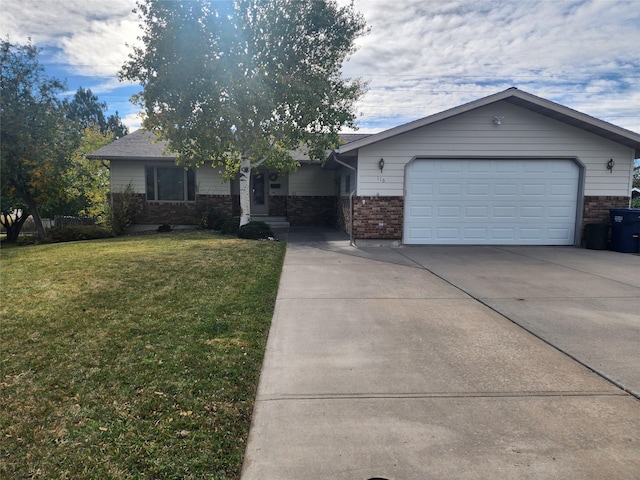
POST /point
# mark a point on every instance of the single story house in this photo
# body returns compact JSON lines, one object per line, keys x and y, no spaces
{"x":508,"y":169}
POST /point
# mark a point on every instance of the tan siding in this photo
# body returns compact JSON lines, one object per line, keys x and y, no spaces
{"x":283,"y":181}
{"x":311,"y":180}
{"x":522,"y":134}
{"x":127,"y":172}
{"x":209,"y":181}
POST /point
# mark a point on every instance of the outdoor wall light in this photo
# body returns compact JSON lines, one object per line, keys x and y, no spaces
{"x":381,"y":164}
{"x":610,"y":165}
{"x":498,"y":119}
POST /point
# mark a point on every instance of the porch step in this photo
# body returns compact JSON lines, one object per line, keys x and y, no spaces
{"x":273,"y":222}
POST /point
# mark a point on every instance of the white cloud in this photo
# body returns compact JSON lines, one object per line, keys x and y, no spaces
{"x":421,"y":57}
{"x":91,"y":35}
{"x":133,"y":121}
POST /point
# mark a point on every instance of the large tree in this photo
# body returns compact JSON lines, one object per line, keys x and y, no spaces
{"x":87,"y":110}
{"x":37,"y":138}
{"x":242,"y":83}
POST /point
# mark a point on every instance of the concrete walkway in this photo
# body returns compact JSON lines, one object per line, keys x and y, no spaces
{"x":378,"y":368}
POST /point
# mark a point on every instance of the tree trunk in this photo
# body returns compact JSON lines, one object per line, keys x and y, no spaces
{"x":245,"y":190}
{"x":37,"y":220}
{"x":13,"y":225}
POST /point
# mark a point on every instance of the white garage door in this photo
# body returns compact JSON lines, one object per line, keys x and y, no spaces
{"x":491,"y":202}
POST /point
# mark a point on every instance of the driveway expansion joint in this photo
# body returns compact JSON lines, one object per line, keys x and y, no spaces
{"x":437,"y":395}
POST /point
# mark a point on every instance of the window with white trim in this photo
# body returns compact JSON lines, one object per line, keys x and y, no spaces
{"x":170,"y":184}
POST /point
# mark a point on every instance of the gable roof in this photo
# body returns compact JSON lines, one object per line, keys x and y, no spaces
{"x":138,"y":145}
{"x":521,"y":99}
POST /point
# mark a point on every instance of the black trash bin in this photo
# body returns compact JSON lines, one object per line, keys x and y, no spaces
{"x":596,"y":236}
{"x":625,"y":230}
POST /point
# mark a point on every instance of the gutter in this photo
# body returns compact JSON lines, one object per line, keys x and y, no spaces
{"x":353,"y":192}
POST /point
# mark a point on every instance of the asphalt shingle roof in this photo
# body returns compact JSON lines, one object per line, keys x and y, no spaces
{"x":140,"y":144}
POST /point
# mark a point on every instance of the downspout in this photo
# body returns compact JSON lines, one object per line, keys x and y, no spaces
{"x":353,"y":192}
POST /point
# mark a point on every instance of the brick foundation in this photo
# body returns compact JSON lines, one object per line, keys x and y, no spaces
{"x":596,"y":208}
{"x":312,"y":210}
{"x":343,"y":215}
{"x":185,"y":213}
{"x":278,"y":206}
{"x":368,"y":217}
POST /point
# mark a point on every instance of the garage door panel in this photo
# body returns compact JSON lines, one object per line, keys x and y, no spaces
{"x":451,"y":167}
{"x":477,"y":212}
{"x":505,"y":189}
{"x":421,"y":189}
{"x":560,"y":234}
{"x":491,"y":202}
{"x":503,"y":234}
{"x":449,"y":189}
{"x":532,"y":212}
{"x":504,"y":212}
{"x":507,"y":166}
{"x":534,"y":189}
{"x":478,"y":189}
{"x":530,"y":233}
{"x":421,"y":212}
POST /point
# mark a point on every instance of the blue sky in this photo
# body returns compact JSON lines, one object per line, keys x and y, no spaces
{"x":421,"y":56}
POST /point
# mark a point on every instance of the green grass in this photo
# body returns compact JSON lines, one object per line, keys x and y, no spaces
{"x":134,"y":357}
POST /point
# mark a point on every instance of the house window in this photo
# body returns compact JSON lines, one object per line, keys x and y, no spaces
{"x":347,"y":184}
{"x":170,"y":184}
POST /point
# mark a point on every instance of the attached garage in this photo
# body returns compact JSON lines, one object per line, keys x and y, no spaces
{"x":507,"y":169}
{"x":491,"y":201}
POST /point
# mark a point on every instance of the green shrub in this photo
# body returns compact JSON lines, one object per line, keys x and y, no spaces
{"x":217,"y":224}
{"x":125,"y":208}
{"x":75,"y":233}
{"x":208,"y":220}
{"x":255,"y":231}
{"x":230,"y":226}
{"x":635,"y":203}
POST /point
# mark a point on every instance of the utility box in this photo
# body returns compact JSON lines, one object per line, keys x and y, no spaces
{"x":625,"y":230}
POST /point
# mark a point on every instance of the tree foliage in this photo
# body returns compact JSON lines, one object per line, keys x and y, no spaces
{"x":244,"y":82}
{"x":83,"y":186}
{"x":45,"y":140}
{"x":88,"y":111}
{"x":37,"y":139}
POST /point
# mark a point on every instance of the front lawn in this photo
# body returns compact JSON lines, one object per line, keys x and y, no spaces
{"x":134,"y":357}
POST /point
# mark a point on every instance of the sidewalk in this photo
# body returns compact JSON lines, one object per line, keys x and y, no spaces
{"x":378,"y":369}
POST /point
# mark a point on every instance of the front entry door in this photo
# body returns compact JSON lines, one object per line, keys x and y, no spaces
{"x":259,"y":194}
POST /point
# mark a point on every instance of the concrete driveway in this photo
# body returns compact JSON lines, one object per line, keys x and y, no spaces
{"x":407,"y":364}
{"x":584,"y":302}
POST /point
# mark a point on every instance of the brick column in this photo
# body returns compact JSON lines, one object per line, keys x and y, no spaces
{"x":378,"y":218}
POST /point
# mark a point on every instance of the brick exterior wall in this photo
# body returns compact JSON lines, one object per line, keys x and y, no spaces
{"x":596,"y":208}
{"x":318,"y":210}
{"x":184,"y":213}
{"x":312,"y":210}
{"x":343,"y":215}
{"x":368,"y":217}
{"x":278,"y":206}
